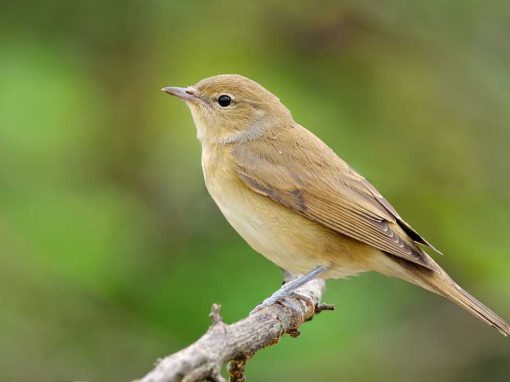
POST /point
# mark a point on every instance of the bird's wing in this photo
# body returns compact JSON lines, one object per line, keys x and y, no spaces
{"x":299,"y":171}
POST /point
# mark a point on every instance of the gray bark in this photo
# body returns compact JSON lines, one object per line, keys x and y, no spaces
{"x":237,"y":342}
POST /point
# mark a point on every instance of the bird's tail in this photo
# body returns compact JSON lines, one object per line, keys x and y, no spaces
{"x":439,"y":282}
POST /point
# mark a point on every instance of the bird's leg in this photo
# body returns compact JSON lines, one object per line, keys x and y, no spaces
{"x":290,"y":287}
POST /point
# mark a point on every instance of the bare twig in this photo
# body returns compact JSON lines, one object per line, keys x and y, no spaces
{"x":237,"y":342}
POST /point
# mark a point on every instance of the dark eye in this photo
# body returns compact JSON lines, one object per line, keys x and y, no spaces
{"x":224,"y":100}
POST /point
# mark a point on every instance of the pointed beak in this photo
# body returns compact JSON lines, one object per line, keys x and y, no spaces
{"x":186,"y":94}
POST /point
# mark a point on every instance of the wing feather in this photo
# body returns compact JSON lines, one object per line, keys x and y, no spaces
{"x":306,"y":176}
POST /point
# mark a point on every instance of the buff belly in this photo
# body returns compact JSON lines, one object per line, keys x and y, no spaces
{"x":288,"y":239}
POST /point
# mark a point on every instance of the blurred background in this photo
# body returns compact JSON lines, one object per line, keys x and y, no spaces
{"x":111,"y":250}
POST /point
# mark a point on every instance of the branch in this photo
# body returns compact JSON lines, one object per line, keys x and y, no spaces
{"x":237,"y":342}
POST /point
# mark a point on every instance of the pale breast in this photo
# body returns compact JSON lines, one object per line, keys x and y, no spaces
{"x":286,"y":238}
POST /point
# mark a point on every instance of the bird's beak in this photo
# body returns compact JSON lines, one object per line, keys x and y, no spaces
{"x":186,"y":94}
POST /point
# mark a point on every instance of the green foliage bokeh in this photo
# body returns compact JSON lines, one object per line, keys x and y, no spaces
{"x":112,"y":251}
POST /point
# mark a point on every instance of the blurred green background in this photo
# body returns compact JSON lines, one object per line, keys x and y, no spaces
{"x":112,"y":252}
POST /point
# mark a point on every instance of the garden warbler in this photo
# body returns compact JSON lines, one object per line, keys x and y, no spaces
{"x":297,"y":203}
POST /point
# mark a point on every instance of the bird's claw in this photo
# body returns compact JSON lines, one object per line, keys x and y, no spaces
{"x":292,"y":303}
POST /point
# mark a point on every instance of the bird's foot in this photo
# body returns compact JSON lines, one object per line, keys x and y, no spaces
{"x":290,"y":288}
{"x":281,"y":298}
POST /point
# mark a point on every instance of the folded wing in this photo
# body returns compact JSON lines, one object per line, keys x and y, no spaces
{"x":303,"y":174}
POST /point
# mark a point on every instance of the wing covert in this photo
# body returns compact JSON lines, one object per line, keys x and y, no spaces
{"x":323,"y":188}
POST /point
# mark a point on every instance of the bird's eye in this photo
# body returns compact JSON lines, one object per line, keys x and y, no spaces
{"x":224,"y":100}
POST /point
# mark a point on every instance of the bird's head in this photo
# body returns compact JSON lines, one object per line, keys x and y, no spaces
{"x":230,"y":108}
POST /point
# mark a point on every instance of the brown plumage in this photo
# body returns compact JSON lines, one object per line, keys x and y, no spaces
{"x":296,"y":202}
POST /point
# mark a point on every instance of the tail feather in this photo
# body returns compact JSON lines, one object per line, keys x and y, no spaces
{"x":436,"y":280}
{"x":458,"y":295}
{"x":439,"y":282}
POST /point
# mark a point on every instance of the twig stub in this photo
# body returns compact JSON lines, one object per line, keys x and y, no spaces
{"x":236,"y":343}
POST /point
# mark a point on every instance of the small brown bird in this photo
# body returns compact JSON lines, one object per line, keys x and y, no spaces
{"x":297,"y":203}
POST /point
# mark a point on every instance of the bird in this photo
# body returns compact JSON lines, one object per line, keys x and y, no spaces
{"x":296,"y":202}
